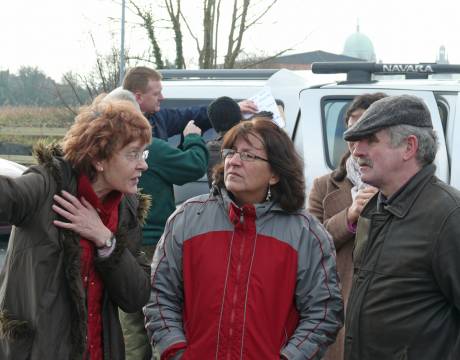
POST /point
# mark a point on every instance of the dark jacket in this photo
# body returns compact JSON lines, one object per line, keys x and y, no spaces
{"x":168,"y":166}
{"x":329,"y":201}
{"x":405,"y":299}
{"x":170,"y":122}
{"x":42,"y":302}
{"x":215,"y":157}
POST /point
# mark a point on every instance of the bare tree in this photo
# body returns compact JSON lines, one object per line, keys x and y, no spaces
{"x":79,"y":89}
{"x":175,"y":16}
{"x":148,"y":23}
{"x":211,"y":29}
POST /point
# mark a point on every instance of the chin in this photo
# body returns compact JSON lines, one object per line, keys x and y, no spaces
{"x":130,"y":190}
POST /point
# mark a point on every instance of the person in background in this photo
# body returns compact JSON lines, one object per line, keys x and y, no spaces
{"x":166,"y":166}
{"x":245,"y":272}
{"x":74,"y":258}
{"x":336,"y":200}
{"x":145,"y":84}
{"x":405,"y":297}
{"x":223,"y":114}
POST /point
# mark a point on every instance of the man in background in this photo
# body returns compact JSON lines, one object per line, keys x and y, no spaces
{"x":145,"y":84}
{"x":223,"y":114}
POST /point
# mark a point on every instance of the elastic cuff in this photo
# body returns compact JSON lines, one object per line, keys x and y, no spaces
{"x":172,"y":351}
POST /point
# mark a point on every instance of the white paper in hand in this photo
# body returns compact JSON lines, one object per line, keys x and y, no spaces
{"x":266,"y":102}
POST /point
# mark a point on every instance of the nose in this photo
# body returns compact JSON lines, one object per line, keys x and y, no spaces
{"x":357,"y":148}
{"x":235,"y":159}
{"x":161,"y":97}
{"x":142,"y":165}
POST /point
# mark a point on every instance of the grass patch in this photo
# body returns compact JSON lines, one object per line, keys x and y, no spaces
{"x":33,"y":116}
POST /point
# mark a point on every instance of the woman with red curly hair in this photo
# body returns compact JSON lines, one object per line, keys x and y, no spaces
{"x":73,"y":258}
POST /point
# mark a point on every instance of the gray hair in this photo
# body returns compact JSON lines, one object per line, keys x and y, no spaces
{"x":427,"y":141}
{"x":122,"y":94}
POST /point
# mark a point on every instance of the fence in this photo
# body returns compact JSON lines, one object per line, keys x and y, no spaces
{"x":39,"y":132}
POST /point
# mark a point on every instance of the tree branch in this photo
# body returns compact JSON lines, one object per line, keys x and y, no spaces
{"x":267,"y":9}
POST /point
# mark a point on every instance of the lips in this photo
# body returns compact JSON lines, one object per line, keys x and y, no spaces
{"x":364,"y":162}
{"x":233,"y":174}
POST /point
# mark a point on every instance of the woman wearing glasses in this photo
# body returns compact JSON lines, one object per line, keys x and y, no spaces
{"x":246,"y":273}
{"x":73,"y":257}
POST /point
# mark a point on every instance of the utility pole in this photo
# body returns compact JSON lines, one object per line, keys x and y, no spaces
{"x":122,"y":45}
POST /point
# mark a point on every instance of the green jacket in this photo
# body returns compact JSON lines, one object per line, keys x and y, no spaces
{"x":42,"y":301}
{"x":168,"y":166}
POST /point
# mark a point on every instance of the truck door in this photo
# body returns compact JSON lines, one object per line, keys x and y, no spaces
{"x":318,"y":132}
{"x":454,"y":130}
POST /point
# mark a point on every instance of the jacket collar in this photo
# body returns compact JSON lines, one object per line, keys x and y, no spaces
{"x":343,"y":184}
{"x":400,"y":205}
{"x":254,"y":210}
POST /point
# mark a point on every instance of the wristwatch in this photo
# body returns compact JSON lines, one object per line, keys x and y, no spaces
{"x":108,"y":242}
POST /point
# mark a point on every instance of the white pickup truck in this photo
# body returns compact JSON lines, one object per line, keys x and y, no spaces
{"x":316,"y":101}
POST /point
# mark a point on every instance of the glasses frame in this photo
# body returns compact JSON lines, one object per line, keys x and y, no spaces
{"x":244,"y":155}
{"x":137,"y":155}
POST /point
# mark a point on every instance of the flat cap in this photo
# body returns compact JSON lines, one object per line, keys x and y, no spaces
{"x":390,"y":111}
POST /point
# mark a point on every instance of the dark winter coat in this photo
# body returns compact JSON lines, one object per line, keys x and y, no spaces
{"x":169,"y":122}
{"x":405,"y":299}
{"x":42,"y":300}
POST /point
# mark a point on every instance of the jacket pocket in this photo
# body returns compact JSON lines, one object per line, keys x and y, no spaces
{"x":16,"y":338}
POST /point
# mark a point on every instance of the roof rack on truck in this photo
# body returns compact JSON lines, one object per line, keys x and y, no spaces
{"x":361,"y":71}
{"x":237,"y":74}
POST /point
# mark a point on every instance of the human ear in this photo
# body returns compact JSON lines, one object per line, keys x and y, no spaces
{"x":274,"y":179}
{"x":97,"y":165}
{"x":411,"y":147}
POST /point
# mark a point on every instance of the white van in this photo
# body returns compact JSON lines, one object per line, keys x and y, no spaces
{"x":316,"y":101}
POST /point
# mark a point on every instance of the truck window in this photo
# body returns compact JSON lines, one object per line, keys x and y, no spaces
{"x":333,"y":119}
{"x":443,"y":108}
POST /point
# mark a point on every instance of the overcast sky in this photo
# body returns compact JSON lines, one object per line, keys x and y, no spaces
{"x":55,"y":35}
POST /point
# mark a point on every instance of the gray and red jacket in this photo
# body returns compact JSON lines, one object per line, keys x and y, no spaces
{"x":243,"y":283}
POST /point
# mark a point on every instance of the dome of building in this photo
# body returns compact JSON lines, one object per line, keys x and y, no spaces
{"x":359,"y":46}
{"x":442,"y":56}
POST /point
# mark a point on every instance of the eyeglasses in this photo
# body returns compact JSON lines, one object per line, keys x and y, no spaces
{"x":137,"y":155}
{"x":244,"y":155}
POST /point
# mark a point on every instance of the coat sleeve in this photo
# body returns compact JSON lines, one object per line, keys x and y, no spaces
{"x":126,"y":272}
{"x":177,"y":166}
{"x":336,"y":225}
{"x":164,"y":310}
{"x":315,"y":199}
{"x":175,"y":120}
{"x":318,"y":298}
{"x":446,"y":266}
{"x":22,"y":197}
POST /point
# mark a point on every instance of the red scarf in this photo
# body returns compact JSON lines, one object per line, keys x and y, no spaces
{"x":92,"y":282}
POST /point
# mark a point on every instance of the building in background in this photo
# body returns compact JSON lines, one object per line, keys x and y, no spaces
{"x":303,"y":61}
{"x":359,"y":46}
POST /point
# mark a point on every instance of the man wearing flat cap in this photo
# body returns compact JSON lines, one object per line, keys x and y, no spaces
{"x":405,"y":298}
